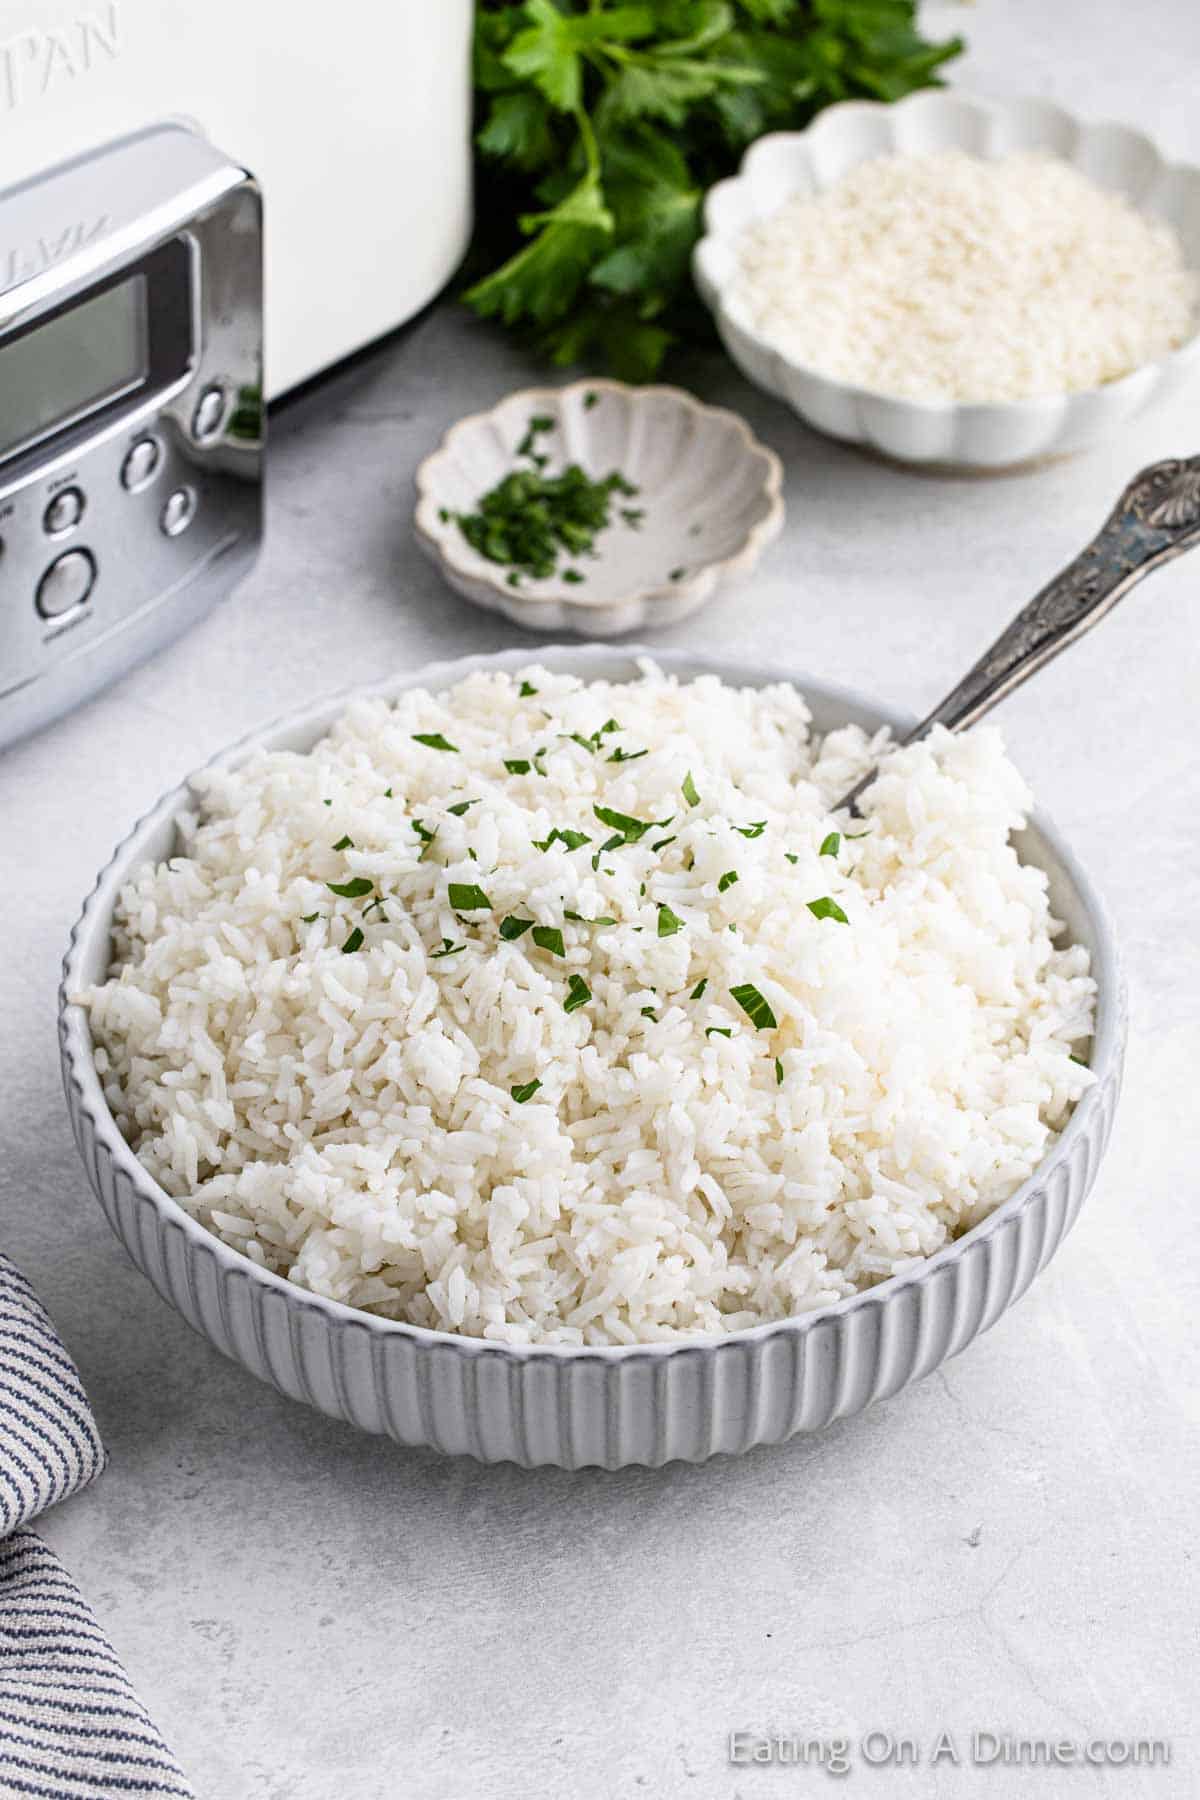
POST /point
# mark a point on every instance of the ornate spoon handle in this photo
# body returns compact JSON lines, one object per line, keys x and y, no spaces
{"x":1156,"y":518}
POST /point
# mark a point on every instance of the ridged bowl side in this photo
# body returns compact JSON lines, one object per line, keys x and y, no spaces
{"x":964,"y":436}
{"x":606,"y":1407}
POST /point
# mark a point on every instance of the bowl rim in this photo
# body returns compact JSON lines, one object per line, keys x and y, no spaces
{"x":84,"y":1089}
{"x":442,"y":545}
{"x":715,"y":294}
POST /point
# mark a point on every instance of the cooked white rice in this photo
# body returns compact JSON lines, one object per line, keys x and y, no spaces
{"x":345,"y":1116}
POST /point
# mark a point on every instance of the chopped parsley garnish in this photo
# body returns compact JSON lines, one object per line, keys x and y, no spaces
{"x":630,"y":829}
{"x":697,"y":992}
{"x":387,"y":794}
{"x":831,"y":845}
{"x":718,"y":1031}
{"x":512,"y":927}
{"x":853,"y":836}
{"x":727,"y":880}
{"x":433,"y":740}
{"x":311,"y":918}
{"x":461,"y":806}
{"x":524,"y":1091}
{"x":689,"y":790}
{"x":578,"y":994}
{"x":624,"y":756}
{"x":465,"y":896}
{"x":353,"y":942}
{"x":590,"y":399}
{"x":1080,"y":1060}
{"x":526,"y":690}
{"x":662,"y":843}
{"x":370,"y":908}
{"x":449,"y":948}
{"x":327,"y":803}
{"x":573,"y":577}
{"x":792,"y":858}
{"x":677,"y":574}
{"x":754,"y":1006}
{"x":517,"y":765}
{"x":538,"y":425}
{"x":549,"y":937}
{"x":344,"y":843}
{"x":778,"y":1073}
{"x":574,"y":840}
{"x":580,"y":920}
{"x":648,"y":1012}
{"x":423,"y":832}
{"x":825,"y":908}
{"x":528,"y":519}
{"x":351,"y":890}
{"x":752,"y":831}
{"x":668,"y":922}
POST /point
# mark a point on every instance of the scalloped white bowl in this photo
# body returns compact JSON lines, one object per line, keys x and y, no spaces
{"x":534,"y":1404}
{"x":953,"y":434}
{"x":709,"y":492}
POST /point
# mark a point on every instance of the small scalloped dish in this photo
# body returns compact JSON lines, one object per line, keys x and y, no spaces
{"x":708,"y":496}
{"x":949,"y":434}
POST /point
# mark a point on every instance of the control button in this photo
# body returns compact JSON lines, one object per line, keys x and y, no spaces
{"x":209,"y":415}
{"x":66,"y":583}
{"x":142,"y":463}
{"x":178,"y":511}
{"x":64,"y":512}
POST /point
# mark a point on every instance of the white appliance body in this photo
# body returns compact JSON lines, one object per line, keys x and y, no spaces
{"x":355,"y":120}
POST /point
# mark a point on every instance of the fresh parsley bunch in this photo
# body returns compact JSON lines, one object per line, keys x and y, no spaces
{"x":601,"y":124}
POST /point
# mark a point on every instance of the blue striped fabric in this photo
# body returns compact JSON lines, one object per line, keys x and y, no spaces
{"x":71,"y":1727}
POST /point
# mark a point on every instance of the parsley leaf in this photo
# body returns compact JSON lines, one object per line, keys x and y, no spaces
{"x":754,"y":1006}
{"x":526,"y":690}
{"x":344,"y":843}
{"x":433,"y":740}
{"x":699,"y":988}
{"x":831,"y":845}
{"x":465,"y":896}
{"x":461,"y":806}
{"x":689,"y":790}
{"x":512,"y":927}
{"x":718,"y":1031}
{"x":752,"y":831}
{"x":525,"y":1091}
{"x":449,"y":948}
{"x":549,"y":937}
{"x":351,"y":890}
{"x":727,"y":880}
{"x":353,"y":942}
{"x":578,"y":994}
{"x":825,"y":908}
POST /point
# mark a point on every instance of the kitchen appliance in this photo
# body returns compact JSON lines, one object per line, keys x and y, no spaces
{"x":130,"y":411}
{"x":139,"y":292}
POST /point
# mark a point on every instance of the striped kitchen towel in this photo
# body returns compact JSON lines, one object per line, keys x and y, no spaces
{"x":71,"y":1727}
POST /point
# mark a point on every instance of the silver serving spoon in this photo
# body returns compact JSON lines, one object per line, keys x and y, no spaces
{"x":1156,"y":518}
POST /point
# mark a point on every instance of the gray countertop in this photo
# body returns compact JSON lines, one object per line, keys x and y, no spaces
{"x":1008,"y":1547}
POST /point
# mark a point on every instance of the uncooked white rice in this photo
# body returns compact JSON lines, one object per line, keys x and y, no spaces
{"x":345,"y":1117}
{"x":946,"y":277}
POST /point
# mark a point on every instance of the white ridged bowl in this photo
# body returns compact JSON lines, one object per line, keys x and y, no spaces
{"x":552,"y":1404}
{"x":949,"y":434}
{"x":710,"y":493}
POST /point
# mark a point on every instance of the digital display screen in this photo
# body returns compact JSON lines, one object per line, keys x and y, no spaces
{"x":65,"y":369}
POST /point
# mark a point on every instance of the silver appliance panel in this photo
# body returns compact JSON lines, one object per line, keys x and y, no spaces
{"x":132,"y":428}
